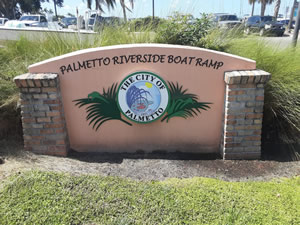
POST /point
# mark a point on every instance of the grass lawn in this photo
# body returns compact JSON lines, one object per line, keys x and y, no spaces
{"x":54,"y":198}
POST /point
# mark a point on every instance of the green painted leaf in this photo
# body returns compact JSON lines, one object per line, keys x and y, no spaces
{"x":183,"y":104}
{"x":101,"y":107}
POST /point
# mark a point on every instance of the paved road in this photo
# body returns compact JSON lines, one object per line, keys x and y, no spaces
{"x":280,"y":42}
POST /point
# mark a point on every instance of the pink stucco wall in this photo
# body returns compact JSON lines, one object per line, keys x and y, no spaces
{"x":201,"y":134}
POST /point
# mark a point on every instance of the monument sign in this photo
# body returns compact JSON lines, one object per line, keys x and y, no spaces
{"x":144,"y":97}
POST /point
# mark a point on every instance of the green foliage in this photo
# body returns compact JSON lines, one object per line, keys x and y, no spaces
{"x":13,"y":60}
{"x":54,"y":198}
{"x":9,"y":8}
{"x":184,"y":30}
{"x":147,"y":23}
{"x":183,"y":104}
{"x":10,"y":119}
{"x":16,"y":56}
{"x":121,"y":35}
{"x":220,"y":39}
{"x":282,"y":93}
{"x":102,"y":108}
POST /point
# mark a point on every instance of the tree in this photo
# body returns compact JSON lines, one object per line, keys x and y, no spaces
{"x":98,"y":3}
{"x":45,"y":10}
{"x":252,"y":2}
{"x":30,"y":6}
{"x":58,"y":3}
{"x":9,"y":7}
{"x":89,"y":4}
{"x":263,"y":6}
{"x":277,"y":7}
{"x":124,"y":7}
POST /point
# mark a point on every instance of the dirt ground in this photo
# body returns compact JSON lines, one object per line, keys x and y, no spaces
{"x":140,"y":166}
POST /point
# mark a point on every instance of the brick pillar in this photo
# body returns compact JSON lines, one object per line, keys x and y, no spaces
{"x":43,"y":120}
{"x":243,"y":114}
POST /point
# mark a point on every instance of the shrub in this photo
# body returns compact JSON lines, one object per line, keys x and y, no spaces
{"x":16,"y":56}
{"x":281,"y":123}
{"x":220,"y":39}
{"x":182,"y":29}
{"x":147,"y":23}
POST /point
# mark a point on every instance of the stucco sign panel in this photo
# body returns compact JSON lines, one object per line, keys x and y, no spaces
{"x":143,"y":97}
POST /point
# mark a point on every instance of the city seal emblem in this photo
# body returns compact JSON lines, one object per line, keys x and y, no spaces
{"x":143,"y":97}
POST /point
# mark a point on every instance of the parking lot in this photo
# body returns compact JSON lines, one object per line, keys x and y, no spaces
{"x":280,"y":42}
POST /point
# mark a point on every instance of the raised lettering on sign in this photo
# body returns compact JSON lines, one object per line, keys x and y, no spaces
{"x":146,"y":58}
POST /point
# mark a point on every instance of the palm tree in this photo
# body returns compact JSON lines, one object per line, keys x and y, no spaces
{"x":108,"y":3}
{"x":252,"y":2}
{"x":277,"y":7}
{"x":58,"y":3}
{"x":124,"y":7}
{"x":263,"y":6}
{"x":89,"y":4}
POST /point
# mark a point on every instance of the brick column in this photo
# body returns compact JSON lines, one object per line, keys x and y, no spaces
{"x":243,"y":113}
{"x":42,"y":114}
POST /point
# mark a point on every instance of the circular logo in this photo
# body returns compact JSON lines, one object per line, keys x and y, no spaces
{"x":143,"y":97}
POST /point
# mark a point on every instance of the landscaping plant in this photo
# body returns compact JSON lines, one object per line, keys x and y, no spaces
{"x":16,"y":56}
{"x":182,"y":29}
{"x":281,"y":122}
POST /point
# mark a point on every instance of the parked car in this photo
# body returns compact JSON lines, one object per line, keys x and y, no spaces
{"x":70,"y":21}
{"x":285,"y":22}
{"x":67,"y":21}
{"x":226,"y":20}
{"x":29,"y":21}
{"x":100,"y":21}
{"x":264,"y":25}
{"x":3,"y":21}
{"x":34,"y":21}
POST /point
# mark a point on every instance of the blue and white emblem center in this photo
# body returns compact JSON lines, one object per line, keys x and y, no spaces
{"x":143,"y":97}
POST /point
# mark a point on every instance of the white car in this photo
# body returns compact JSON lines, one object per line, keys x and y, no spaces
{"x":29,"y":21}
{"x":227,"y":21}
{"x":3,"y":21}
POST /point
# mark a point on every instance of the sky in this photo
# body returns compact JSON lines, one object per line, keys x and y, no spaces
{"x":164,"y":8}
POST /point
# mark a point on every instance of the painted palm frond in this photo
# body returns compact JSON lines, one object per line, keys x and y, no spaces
{"x":183,"y":104}
{"x":101,"y":107}
{"x":177,"y":92}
